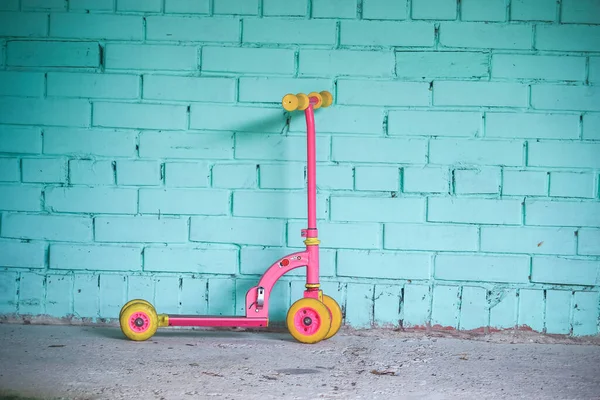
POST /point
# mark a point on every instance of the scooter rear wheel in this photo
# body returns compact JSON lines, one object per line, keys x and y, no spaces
{"x":308,"y":320}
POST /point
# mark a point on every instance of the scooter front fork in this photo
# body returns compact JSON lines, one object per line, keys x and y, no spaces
{"x":312,"y":270}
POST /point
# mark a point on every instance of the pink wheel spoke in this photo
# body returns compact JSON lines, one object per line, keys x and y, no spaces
{"x":139,"y":322}
{"x":307,"y":320}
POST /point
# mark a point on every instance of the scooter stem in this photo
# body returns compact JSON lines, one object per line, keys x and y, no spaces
{"x":311,"y":166}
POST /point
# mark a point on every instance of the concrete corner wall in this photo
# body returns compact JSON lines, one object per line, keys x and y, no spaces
{"x":144,"y":153}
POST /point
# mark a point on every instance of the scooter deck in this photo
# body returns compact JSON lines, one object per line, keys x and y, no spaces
{"x":216,"y":320}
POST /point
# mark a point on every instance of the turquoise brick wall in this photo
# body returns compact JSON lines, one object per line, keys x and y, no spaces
{"x":144,"y":153}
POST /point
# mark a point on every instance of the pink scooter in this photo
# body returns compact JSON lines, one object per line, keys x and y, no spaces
{"x":313,"y":318}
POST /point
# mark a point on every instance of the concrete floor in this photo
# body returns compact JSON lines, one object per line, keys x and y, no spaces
{"x":77,"y":362}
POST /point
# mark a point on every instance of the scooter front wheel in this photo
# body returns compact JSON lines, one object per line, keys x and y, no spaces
{"x":139,"y":321}
{"x":336,"y":315}
{"x":308,"y":320}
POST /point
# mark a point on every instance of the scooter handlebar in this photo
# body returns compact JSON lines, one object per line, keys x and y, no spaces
{"x":300,"y":101}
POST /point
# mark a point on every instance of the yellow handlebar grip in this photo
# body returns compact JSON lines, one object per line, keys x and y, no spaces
{"x":300,"y":101}
{"x":303,"y":101}
{"x":327,"y":98}
{"x":290,"y":102}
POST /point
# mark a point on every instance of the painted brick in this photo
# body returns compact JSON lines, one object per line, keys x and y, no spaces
{"x":386,"y":33}
{"x":473,"y":308}
{"x":377,"y":178}
{"x":45,"y":112}
{"x":16,"y":83}
{"x":359,"y":305}
{"x":426,"y":180}
{"x":282,"y":176}
{"x":488,"y":152}
{"x":389,"y":265}
{"x":22,"y":254}
{"x":186,"y":145}
{"x":386,"y":307}
{"x":91,"y":172}
{"x":521,"y":66}
{"x":377,"y":209}
{"x":572,"y":184}
{"x":588,"y":242}
{"x":473,"y":10}
{"x":19,"y":24}
{"x":15,"y":140}
{"x":271,"y":89}
{"x":85,"y":142}
{"x":578,"y":11}
{"x":187,"y":6}
{"x":476,"y":267}
{"x":334,"y":9}
{"x":111,"y":295}
{"x":108,"y":86}
{"x":335,"y":177}
{"x":136,"y":6}
{"x":91,"y":200}
{"x":382,"y":93}
{"x":47,"y":227}
{"x":273,"y":8}
{"x":444,"y":307}
{"x":236,"y":7}
{"x":193,"y":296}
{"x":567,"y":37}
{"x":221,"y":296}
{"x":95,"y":257}
{"x":558,"y":310}
{"x":203,"y":260}
{"x":140,"y":116}
{"x":562,"y":213}
{"x":438,"y":9}
{"x":472,"y":210}
{"x":236,"y":230}
{"x":344,"y":120}
{"x":491,"y":94}
{"x":591,"y":127}
{"x":167,"y":293}
{"x":297,"y":31}
{"x":44,"y":170}
{"x":533,"y":10}
{"x":141,"y":287}
{"x":381,"y":150}
{"x":96,"y":26}
{"x":256,"y":60}
{"x":564,"y":154}
{"x":532,"y":125}
{"x":9,"y":5}
{"x":91,"y":5}
{"x":594,"y":72}
{"x":256,"y":260}
{"x":431,"y":237}
{"x":137,"y":172}
{"x":531,"y":309}
{"x":415,"y":305}
{"x":10,"y":169}
{"x":528,"y":240}
{"x":53,"y":54}
{"x":183,"y":88}
{"x":275,"y":204}
{"x":585,"y":314}
{"x":154,"y":57}
{"x":31,"y":293}
{"x":346,"y":63}
{"x":184,"y":201}
{"x":20,"y":198}
{"x":482,"y":35}
{"x":140,"y":229}
{"x":8,"y":292}
{"x":191,"y":29}
{"x":234,"y":176}
{"x":85,"y":295}
{"x":236,"y":118}
{"x":278,"y":147}
{"x":59,"y":295}
{"x":341,"y":236}
{"x":503,"y":309}
{"x":565,"y":271}
{"x":557,"y":97}
{"x":485,"y":180}
{"x":442,"y":64}
{"x":383,"y":9}
{"x":518,"y":182}
{"x":187,"y":174}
